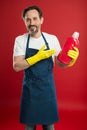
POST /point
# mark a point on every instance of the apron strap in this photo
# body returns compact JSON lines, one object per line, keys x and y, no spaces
{"x":45,"y":41}
{"x":27,"y":43}
{"x":43,"y":38}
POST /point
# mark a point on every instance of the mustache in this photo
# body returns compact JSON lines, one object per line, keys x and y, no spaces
{"x":32,"y":26}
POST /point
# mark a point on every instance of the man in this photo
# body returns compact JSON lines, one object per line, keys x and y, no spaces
{"x":35,"y":53}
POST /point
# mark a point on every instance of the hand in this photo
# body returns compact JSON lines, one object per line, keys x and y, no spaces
{"x":74,"y":55}
{"x":42,"y":54}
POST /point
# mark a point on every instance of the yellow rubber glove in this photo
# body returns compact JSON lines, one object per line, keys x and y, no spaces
{"x":74,"y":55}
{"x":41,"y":54}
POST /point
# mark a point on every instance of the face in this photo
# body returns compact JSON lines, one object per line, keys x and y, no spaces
{"x":33,"y":21}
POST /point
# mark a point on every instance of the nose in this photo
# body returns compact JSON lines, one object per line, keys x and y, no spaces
{"x":31,"y":22}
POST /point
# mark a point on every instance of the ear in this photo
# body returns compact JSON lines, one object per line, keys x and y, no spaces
{"x":42,"y":19}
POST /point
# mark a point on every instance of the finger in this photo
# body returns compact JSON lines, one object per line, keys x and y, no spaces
{"x":43,"y":47}
{"x":72,"y":56}
{"x":50,"y":52}
{"x":76,"y":49}
{"x":73,"y":52}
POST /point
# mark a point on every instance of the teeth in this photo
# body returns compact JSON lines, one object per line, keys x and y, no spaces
{"x":32,"y":29}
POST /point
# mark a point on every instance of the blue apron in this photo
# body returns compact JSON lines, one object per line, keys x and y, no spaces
{"x":38,"y":103}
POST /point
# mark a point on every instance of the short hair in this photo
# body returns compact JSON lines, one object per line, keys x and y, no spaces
{"x":32,"y":8}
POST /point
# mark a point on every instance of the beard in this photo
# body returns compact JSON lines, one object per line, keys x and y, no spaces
{"x":33,"y":29}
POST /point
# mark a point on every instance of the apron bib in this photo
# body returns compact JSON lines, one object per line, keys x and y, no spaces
{"x":38,"y":104}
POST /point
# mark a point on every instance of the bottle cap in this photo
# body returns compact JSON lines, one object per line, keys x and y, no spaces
{"x":75,"y":35}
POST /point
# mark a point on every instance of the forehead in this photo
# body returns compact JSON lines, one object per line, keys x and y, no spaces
{"x":32,"y":13}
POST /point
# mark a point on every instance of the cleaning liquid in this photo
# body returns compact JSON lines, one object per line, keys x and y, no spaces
{"x":70,"y":43}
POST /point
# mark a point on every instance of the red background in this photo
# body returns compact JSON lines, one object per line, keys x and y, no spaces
{"x":62,"y":18}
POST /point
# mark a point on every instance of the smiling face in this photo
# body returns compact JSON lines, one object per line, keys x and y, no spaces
{"x":33,"y":22}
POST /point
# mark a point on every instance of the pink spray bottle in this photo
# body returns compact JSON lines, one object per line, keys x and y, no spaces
{"x":70,"y":43}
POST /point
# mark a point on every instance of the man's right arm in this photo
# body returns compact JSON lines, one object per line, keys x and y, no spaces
{"x":19,"y":63}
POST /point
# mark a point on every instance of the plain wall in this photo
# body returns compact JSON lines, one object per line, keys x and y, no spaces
{"x":61,"y":18}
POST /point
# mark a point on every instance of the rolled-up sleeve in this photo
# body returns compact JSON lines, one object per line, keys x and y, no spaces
{"x":19,"y":47}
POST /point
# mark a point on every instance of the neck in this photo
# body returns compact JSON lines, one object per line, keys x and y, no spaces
{"x":37,"y":35}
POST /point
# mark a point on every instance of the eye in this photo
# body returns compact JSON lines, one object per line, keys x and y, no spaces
{"x":27,"y":19}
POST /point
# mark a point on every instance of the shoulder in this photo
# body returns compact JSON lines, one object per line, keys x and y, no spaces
{"x":47,"y":35}
{"x":20,"y":44}
{"x":20,"y":41}
{"x":22,"y":37}
{"x":51,"y":38}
